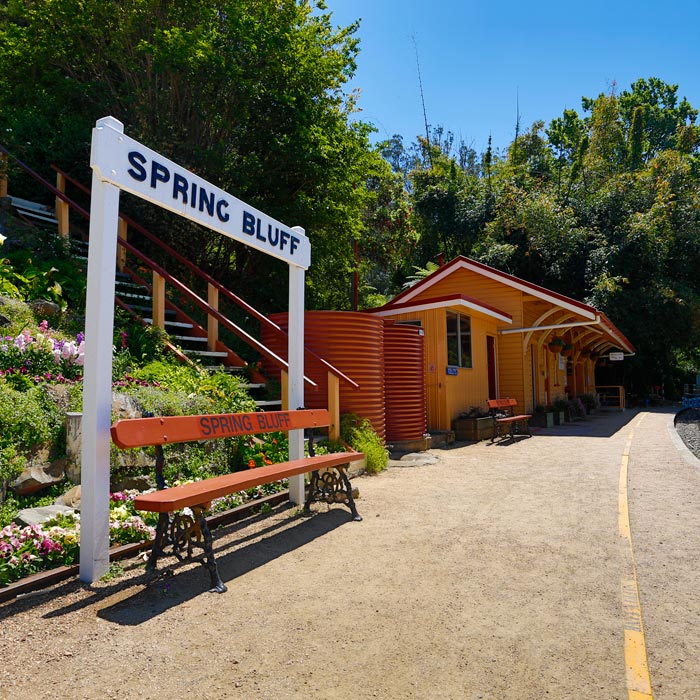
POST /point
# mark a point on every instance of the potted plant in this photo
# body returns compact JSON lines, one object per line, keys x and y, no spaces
{"x":474,"y":425}
{"x":542,"y":417}
{"x":555,"y":344}
{"x":591,"y":402}
{"x":559,"y":406}
{"x":576,"y":409}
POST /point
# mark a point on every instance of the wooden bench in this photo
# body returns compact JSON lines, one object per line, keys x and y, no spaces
{"x":505,"y":418}
{"x":183,"y":531}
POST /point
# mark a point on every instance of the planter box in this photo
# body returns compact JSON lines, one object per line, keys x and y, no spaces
{"x":542,"y":420}
{"x":559,"y":417}
{"x":473,"y":429}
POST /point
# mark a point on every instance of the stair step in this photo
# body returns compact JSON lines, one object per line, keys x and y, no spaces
{"x":190,"y":338}
{"x":206,"y":353}
{"x":140,"y":297}
{"x":231,"y":369}
{"x":34,"y":210}
{"x":172,"y":324}
{"x":137,"y":307}
{"x":272,"y":402}
{"x":252,"y":386}
{"x":128,"y":284}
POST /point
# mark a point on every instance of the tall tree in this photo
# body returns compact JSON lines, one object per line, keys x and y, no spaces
{"x":248,"y":94}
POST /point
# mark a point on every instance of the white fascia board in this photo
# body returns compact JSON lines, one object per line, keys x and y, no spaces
{"x":495,"y":275}
{"x":442,"y":304}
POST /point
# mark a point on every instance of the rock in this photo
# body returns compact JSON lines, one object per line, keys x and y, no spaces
{"x":70,"y":499}
{"x":414,"y":459}
{"x":140,"y":483}
{"x":57,"y":468}
{"x":31,"y":480}
{"x":38,"y":516}
{"x":123,"y":406}
{"x":43,"y":307}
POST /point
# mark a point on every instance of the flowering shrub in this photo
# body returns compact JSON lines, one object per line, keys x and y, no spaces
{"x":269,"y":448}
{"x":42,"y":357}
{"x":27,"y":550}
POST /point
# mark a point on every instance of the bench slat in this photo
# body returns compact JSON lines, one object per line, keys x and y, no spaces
{"x":140,"y":432}
{"x":510,"y":419}
{"x":199,"y":492}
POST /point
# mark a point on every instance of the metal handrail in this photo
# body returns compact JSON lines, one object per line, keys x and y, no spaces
{"x":216,"y":284}
{"x":205,"y":306}
{"x":262,"y":349}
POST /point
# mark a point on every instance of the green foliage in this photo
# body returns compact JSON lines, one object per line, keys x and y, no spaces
{"x":248,"y":95}
{"x":39,"y":266}
{"x":27,"y":418}
{"x":195,"y":389}
{"x":135,"y":342}
{"x":11,"y":466}
{"x":602,"y":208}
{"x":360,"y":435}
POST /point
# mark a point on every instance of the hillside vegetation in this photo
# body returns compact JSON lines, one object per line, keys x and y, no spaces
{"x":601,"y":204}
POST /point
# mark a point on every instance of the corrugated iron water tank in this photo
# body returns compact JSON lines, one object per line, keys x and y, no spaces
{"x":352,"y":342}
{"x":404,"y":385}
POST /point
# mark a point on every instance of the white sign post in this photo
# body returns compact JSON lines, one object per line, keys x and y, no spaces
{"x":120,"y":163}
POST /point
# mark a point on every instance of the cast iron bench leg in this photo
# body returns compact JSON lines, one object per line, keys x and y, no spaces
{"x":208,"y":560}
{"x":351,"y":501}
{"x":325,"y":488}
{"x":159,"y":543}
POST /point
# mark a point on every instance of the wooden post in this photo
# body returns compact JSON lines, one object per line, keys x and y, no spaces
{"x":123,"y":233}
{"x":158,"y":301}
{"x":212,"y":323}
{"x":62,"y":209}
{"x":334,"y":406}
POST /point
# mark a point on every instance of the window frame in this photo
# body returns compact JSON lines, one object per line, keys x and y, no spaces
{"x":460,"y":333}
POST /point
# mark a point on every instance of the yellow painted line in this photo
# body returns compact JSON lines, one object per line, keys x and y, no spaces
{"x":636,"y":664}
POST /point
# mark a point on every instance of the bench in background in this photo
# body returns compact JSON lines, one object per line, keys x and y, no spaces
{"x":506,"y":420}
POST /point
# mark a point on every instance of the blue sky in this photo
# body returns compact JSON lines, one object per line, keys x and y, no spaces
{"x":479,"y":59}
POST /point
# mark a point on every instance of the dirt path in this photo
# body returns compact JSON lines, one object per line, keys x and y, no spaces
{"x":492,"y":574}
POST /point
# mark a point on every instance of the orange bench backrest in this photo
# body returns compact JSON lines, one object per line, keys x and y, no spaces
{"x":501,"y":403}
{"x":139,"y":432}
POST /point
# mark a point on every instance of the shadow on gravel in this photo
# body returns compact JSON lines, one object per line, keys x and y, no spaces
{"x":141,"y":597}
{"x":183,"y":584}
{"x":599,"y":425}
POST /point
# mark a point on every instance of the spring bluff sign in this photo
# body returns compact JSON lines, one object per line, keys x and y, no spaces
{"x":120,"y":163}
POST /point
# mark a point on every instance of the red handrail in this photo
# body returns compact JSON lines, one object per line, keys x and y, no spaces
{"x":205,"y":306}
{"x":210,"y":280}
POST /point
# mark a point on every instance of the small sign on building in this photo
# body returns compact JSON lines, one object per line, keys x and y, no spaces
{"x":616,"y":356}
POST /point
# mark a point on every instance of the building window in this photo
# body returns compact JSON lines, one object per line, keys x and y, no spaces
{"x":459,"y":340}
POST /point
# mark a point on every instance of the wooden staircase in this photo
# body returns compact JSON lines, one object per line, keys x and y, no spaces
{"x":146,"y":299}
